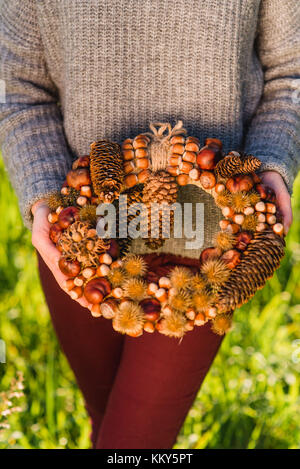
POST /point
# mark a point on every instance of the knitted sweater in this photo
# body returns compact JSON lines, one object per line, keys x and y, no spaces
{"x":80,"y":70}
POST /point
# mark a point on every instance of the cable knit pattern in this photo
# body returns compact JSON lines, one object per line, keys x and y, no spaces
{"x":77,"y":71}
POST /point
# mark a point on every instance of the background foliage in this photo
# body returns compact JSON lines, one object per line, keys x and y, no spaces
{"x":250,"y":399}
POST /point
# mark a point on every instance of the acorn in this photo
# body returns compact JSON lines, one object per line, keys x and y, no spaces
{"x":68,"y":267}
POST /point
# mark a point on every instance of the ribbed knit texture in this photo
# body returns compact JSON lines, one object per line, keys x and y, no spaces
{"x":228,"y":69}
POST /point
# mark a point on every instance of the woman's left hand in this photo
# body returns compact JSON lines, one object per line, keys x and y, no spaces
{"x":275,"y":181}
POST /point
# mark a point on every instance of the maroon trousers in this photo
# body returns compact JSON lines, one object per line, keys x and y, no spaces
{"x":137,"y":390}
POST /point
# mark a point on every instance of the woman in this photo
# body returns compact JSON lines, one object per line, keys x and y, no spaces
{"x":77,"y":71}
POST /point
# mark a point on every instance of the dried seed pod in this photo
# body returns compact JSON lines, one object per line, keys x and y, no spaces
{"x":201,"y":301}
{"x":181,"y":301}
{"x":223,"y":199}
{"x":221,"y":324}
{"x":216,"y":271}
{"x":135,"y":288}
{"x":129,"y":319}
{"x":174,"y":325}
{"x":224,"y":240}
{"x":250,"y":223}
{"x":88,"y":214}
{"x":228,"y":166}
{"x":180,"y":277}
{"x":135,"y":266}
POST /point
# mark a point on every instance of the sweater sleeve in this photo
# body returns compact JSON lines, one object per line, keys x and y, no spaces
{"x":34,"y":148}
{"x":274,"y":133}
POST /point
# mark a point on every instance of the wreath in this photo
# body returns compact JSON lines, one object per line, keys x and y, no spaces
{"x":159,"y":291}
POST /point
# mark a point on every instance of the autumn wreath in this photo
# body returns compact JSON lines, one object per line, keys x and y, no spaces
{"x":148,"y":292}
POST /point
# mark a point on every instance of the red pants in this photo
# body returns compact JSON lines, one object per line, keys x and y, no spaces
{"x":137,"y":390}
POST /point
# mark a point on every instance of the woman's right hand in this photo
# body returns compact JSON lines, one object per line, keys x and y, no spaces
{"x":45,"y":247}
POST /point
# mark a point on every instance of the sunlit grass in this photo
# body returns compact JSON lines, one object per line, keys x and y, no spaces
{"x":250,"y":399}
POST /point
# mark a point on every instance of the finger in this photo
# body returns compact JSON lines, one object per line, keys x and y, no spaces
{"x":285,"y":208}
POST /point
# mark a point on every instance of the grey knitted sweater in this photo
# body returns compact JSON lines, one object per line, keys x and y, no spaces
{"x":79,"y":70}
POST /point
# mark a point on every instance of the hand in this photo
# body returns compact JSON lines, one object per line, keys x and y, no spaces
{"x":45,"y":247}
{"x":275,"y":181}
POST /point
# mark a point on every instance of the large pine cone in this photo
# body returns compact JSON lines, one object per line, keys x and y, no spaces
{"x":134,"y":196}
{"x":106,"y":167}
{"x":160,"y":188}
{"x":259,"y":262}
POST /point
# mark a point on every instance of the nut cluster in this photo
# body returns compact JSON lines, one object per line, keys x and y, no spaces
{"x":150,"y":167}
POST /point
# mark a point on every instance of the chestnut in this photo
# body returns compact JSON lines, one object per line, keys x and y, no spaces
{"x":209,"y":253}
{"x":67,"y":216}
{"x":78,"y":177}
{"x":96,"y":289}
{"x":69,"y":268}
{"x":242,"y":240}
{"x":208,"y":157}
{"x":108,"y":308}
{"x":151,"y":308}
{"x":231,"y":258}
{"x":81,"y":162}
{"x":55,"y":232}
{"x":239,"y":183}
{"x":113,"y":249}
{"x":214,"y":142}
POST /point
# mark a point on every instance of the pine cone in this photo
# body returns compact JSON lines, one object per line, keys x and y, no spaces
{"x":258,"y":264}
{"x":134,"y":196}
{"x":160,"y":188}
{"x":228,"y":166}
{"x":106,"y":169}
{"x":250,"y":164}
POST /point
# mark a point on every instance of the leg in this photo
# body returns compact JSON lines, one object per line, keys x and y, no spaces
{"x":157,"y":382}
{"x":92,"y":347}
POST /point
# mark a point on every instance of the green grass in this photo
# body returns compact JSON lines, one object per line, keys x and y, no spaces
{"x":250,"y":399}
